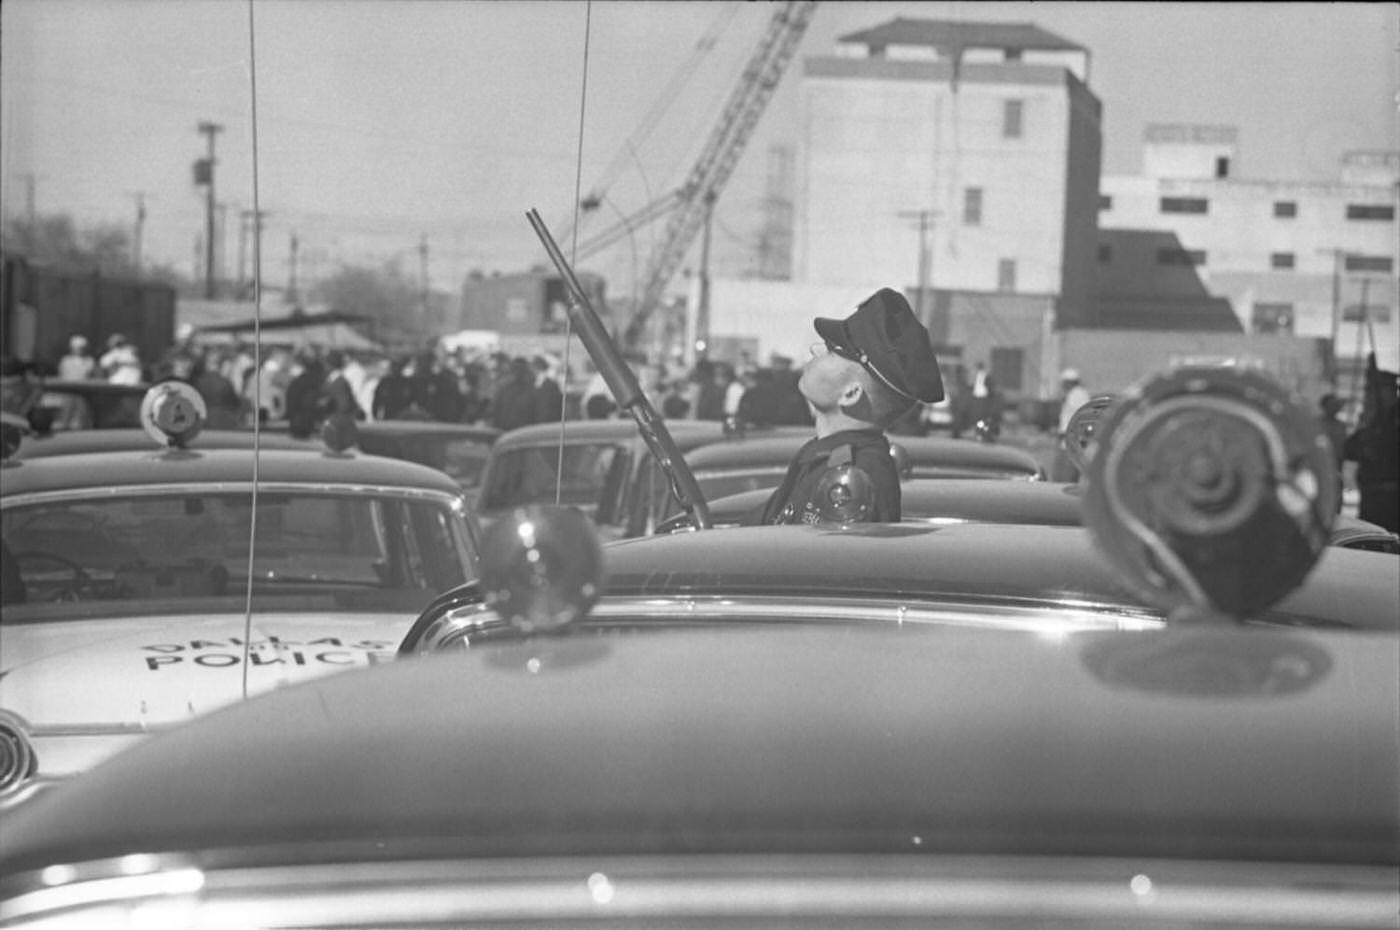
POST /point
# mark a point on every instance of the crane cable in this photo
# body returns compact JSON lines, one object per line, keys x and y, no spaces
{"x":664,"y":100}
{"x":257,"y":354}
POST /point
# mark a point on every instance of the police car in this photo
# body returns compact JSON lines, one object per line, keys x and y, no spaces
{"x":1106,"y":734}
{"x":143,"y":588}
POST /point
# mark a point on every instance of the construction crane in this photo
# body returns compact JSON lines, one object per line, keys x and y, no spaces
{"x":689,"y":205}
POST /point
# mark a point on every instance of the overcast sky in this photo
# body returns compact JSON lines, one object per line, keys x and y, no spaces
{"x":380,"y":121}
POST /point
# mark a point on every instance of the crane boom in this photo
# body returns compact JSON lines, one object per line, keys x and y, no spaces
{"x":722,"y":151}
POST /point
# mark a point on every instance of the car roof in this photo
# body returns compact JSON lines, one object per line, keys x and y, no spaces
{"x":135,"y":439}
{"x":976,"y":500}
{"x":429,"y":428}
{"x":993,"y":562}
{"x":105,"y":470}
{"x":686,"y":433}
{"x":1168,"y":743}
{"x":923,"y":451}
{"x":95,"y":386}
{"x":1046,"y":503}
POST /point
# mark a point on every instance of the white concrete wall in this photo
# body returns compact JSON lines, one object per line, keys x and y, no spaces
{"x":1240,"y":232}
{"x":871,"y":148}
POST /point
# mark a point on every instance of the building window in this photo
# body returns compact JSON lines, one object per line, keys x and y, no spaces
{"x":1105,"y":253}
{"x":1222,"y":167}
{"x":1368,"y":263}
{"x":1105,"y":202}
{"x":1282,"y":261}
{"x":972,"y":206}
{"x":1272,"y":318}
{"x":1376,"y":313}
{"x":1181,"y":257}
{"x":1011,"y":119}
{"x":1006,"y":274}
{"x":1006,"y":367}
{"x":1185,"y":205}
{"x":1370,"y":211}
{"x":1011,"y":54}
{"x":1285,"y":209}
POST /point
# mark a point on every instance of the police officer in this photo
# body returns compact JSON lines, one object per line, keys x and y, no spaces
{"x":867,"y":372}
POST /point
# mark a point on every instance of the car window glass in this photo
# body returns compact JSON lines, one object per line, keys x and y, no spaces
{"x":463,"y":460}
{"x":528,"y":476}
{"x":138,"y":550}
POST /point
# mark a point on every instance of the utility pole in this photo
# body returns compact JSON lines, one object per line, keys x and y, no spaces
{"x":209,"y":130}
{"x":221,"y":243}
{"x":140,"y":197}
{"x":292,"y":273}
{"x":925,"y":218}
{"x":243,"y":217}
{"x":249,"y":224}
{"x":1364,"y":320}
{"x":702,"y":312}
{"x":1338,"y":256}
{"x":31,"y":182}
{"x":423,"y":276}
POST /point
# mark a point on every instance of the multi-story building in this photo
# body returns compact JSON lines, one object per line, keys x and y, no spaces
{"x":960,"y":162}
{"x":1192,"y":237}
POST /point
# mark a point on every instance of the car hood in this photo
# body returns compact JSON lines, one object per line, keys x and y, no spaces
{"x":106,"y":675}
{"x":1215,"y":743}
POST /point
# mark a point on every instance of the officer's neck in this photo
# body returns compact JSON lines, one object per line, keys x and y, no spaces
{"x":835,"y":421}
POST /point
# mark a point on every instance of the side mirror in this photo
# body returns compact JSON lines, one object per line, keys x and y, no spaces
{"x":1082,"y":429}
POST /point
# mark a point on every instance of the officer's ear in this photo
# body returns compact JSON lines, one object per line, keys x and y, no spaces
{"x":852,"y":393}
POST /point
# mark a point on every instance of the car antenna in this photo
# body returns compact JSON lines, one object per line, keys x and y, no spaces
{"x":568,"y":320}
{"x":257,"y":353}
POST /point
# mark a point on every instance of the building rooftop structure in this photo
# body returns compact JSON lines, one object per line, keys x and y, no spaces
{"x":953,"y":37}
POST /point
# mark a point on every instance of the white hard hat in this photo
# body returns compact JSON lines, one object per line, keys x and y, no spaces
{"x":1069,"y":374}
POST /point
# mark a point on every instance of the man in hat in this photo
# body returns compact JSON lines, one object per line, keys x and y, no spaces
{"x":869,"y":369}
{"x":1074,"y":396}
{"x":78,"y":364}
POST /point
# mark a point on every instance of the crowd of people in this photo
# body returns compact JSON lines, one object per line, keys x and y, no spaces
{"x":305,"y":386}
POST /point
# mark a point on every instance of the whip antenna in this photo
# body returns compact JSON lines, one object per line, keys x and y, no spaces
{"x":257,"y":355}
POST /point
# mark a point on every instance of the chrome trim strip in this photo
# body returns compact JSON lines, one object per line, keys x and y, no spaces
{"x":1049,"y":618}
{"x":67,"y":730}
{"x":377,"y":894}
{"x":234,"y":487}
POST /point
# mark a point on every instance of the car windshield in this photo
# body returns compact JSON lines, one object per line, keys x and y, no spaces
{"x":461,"y":459}
{"x":148,"y":553}
{"x":529,"y":475}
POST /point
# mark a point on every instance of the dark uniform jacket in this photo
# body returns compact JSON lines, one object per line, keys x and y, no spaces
{"x":794,"y":501}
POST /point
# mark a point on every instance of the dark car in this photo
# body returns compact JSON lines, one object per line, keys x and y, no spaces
{"x":609,"y":472}
{"x":760,"y":463}
{"x":459,"y":450}
{"x":135,"y":439}
{"x":53,"y":405}
{"x":1018,"y":576}
{"x":959,"y":500}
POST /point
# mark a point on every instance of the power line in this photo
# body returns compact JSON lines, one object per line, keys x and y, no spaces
{"x":239,"y":118}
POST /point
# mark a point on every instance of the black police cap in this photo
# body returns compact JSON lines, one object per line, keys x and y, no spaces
{"x":885,"y":336}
